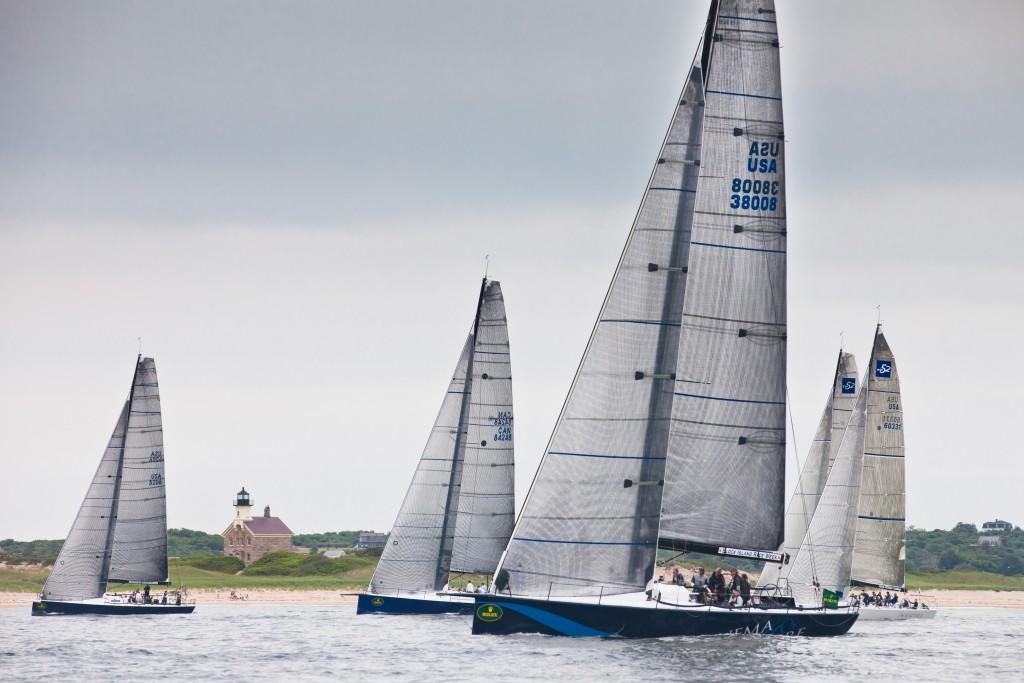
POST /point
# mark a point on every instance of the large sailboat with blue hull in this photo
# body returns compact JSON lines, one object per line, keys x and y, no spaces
{"x":673,"y":434}
{"x":458,"y":513}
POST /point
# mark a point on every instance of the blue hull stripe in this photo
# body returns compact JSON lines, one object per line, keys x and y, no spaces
{"x":566,"y":627}
{"x":882,"y":519}
{"x":640,"y":322}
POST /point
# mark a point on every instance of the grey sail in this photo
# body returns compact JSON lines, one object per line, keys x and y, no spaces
{"x":139,"y":552}
{"x":486,"y":502}
{"x":80,"y":571}
{"x":881,"y":527}
{"x":589,"y":524}
{"x":725,"y":474}
{"x":825,"y":558}
{"x":814,"y":472}
{"x":414,"y":557}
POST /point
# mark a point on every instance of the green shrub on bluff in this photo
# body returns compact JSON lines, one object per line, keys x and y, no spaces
{"x":284,"y":563}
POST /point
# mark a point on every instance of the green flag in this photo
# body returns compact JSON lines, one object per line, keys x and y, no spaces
{"x":830,"y":598}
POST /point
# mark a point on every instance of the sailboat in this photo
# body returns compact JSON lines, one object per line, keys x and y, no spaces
{"x":120,"y":533}
{"x":672,"y":435}
{"x":815,"y":471}
{"x":459,"y":510}
{"x":881,"y":544}
{"x":820,"y":570}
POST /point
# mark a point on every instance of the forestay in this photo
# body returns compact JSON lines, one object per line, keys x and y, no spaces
{"x":413,"y":559}
{"x":880,"y":555}
{"x":486,"y":502}
{"x":80,"y":571}
{"x":139,"y":552}
{"x":589,"y":523}
{"x":825,"y":557}
{"x":814,"y":473}
{"x":725,"y":476}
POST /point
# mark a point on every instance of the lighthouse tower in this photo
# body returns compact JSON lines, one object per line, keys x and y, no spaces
{"x":243,"y":506}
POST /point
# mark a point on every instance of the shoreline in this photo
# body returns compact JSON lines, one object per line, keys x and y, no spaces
{"x":939,"y":599}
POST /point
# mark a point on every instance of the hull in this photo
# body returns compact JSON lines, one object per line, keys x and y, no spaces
{"x":499,"y":615}
{"x":369,"y":603}
{"x":55,"y":607}
{"x":894,"y":613}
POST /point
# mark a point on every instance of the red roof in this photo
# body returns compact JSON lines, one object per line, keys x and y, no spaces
{"x":267,"y":525}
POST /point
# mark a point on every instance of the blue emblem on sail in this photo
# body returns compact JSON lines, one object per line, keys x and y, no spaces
{"x":883,"y":368}
{"x":849,"y":385}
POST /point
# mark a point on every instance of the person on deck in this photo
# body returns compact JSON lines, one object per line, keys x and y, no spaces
{"x":700,"y":585}
{"x":716,"y":584}
{"x":745,"y":588}
{"x":677,"y":577}
{"x":470,"y":588}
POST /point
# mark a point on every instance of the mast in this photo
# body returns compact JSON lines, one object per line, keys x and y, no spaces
{"x":455,"y":477}
{"x":112,"y":522}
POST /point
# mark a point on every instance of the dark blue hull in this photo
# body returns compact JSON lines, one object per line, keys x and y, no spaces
{"x":500,"y":615}
{"x":369,"y":603}
{"x":54,"y":607}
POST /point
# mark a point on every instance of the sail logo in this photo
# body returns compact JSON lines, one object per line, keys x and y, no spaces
{"x":849,"y":385}
{"x":488,"y":613}
{"x":156,"y":479}
{"x":883,"y":368}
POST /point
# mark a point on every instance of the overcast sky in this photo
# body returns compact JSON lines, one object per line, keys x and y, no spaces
{"x":291,"y":203}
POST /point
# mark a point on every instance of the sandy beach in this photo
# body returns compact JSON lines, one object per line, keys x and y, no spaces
{"x":937,"y":598}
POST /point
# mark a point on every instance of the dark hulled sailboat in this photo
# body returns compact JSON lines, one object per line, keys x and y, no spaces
{"x":459,"y":510}
{"x":120,"y":532}
{"x":673,"y":432}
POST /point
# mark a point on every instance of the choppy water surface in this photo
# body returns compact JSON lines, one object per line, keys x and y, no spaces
{"x":279,"y":643}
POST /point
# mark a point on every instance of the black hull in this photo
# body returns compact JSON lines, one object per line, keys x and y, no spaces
{"x":369,"y":603}
{"x":500,"y":615}
{"x":57,"y":607}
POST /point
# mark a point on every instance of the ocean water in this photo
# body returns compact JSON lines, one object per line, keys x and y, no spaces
{"x":244,"y":643}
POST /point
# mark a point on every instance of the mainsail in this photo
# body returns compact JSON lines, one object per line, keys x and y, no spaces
{"x":120,"y":532}
{"x":659,"y":395}
{"x":825,"y":557}
{"x":814,"y":473}
{"x":725,"y":475}
{"x":486,"y":505}
{"x":469,"y":453}
{"x":880,"y":553}
{"x":139,"y":552}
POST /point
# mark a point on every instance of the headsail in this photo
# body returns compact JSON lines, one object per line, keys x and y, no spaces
{"x":825,"y":557}
{"x":725,"y":475}
{"x":814,"y":473}
{"x":80,"y":571}
{"x":486,"y":504}
{"x":590,"y":520}
{"x":139,"y":552}
{"x":880,"y":554}
{"x":413,"y":555}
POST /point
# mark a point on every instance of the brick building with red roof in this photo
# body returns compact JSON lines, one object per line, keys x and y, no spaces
{"x":249,"y":538}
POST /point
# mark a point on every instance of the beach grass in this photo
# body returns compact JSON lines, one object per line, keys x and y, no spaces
{"x":964,"y":580}
{"x":355,"y":574}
